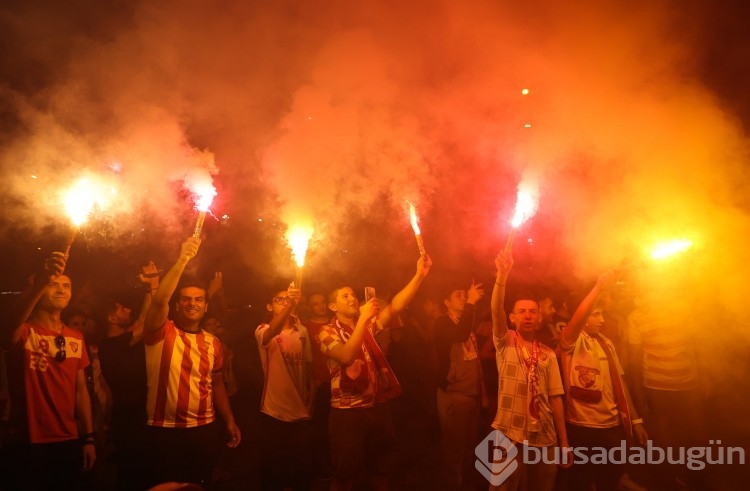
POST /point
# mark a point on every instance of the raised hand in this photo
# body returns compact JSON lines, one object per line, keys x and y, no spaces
{"x":189,"y":248}
{"x":474,"y":293}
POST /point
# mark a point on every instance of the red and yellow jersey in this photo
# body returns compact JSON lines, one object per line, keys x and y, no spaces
{"x":180,"y":368}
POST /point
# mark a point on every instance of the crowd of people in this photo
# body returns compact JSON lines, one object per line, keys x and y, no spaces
{"x":332,"y":392}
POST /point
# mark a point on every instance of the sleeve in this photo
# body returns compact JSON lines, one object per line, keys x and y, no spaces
{"x":329,"y":339}
{"x":218,"y":355}
{"x":555,"y":385}
{"x":259,"y":335}
{"x":501,"y":343}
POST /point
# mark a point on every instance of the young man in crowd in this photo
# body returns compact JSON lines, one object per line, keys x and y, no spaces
{"x":49,"y":398}
{"x":530,"y":405}
{"x":123,"y":363}
{"x":362,"y":381}
{"x":184,"y":367}
{"x":286,"y":355}
{"x":460,"y":384}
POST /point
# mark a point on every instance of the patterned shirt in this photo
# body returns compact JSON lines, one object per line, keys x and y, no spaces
{"x":180,"y":367}
{"x":354,"y":385}
{"x":512,"y":405}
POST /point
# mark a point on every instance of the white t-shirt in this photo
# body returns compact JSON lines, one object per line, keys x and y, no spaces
{"x":287,"y":368}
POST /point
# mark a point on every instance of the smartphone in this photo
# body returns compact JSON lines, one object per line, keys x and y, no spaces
{"x":369,"y":293}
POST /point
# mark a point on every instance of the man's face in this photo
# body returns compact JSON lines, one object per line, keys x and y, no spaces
{"x":318,"y":306}
{"x":121,"y":315}
{"x":346,"y":303}
{"x":547,"y":309}
{"x":191,"y":304}
{"x":56,"y":295}
{"x":595,"y":321}
{"x":525,"y":316}
{"x":279,"y":303}
{"x":456,"y":301}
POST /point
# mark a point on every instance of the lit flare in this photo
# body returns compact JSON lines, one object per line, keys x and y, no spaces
{"x":666,"y":249}
{"x":298,"y":237}
{"x":204,"y":195}
{"x":417,"y":231}
{"x":527,"y":202}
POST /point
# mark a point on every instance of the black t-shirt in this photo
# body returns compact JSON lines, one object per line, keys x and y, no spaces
{"x":124,"y":369}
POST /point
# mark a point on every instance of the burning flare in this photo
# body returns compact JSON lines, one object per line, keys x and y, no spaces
{"x":204,"y":194}
{"x":298,"y":237}
{"x":667,"y":249}
{"x":527,"y":202}
{"x":415,"y":227}
{"x":79,"y":201}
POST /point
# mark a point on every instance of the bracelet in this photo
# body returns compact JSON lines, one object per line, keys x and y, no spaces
{"x":638,"y":421}
{"x":88,"y":436}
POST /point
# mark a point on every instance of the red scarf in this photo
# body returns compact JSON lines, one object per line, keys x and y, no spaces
{"x":619,"y":389}
{"x":387,"y":385}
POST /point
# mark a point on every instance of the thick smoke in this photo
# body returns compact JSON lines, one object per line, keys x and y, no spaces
{"x":336,"y":113}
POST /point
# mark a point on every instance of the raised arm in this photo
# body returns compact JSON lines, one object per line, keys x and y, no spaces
{"x":503,"y":263}
{"x":157,"y":312}
{"x":10,"y":332}
{"x":574,"y":327}
{"x":150,"y":277}
{"x":402,"y":299}
{"x":279,"y":321}
{"x":345,"y":353}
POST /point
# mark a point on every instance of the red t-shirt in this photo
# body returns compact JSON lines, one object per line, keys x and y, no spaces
{"x":50,"y":385}
{"x":180,"y":367}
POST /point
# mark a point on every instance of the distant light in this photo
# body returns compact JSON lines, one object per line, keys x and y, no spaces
{"x":33,"y":176}
{"x":527,"y":125}
{"x":260,"y":219}
{"x":38,"y":248}
{"x":309,"y":118}
{"x":225,"y":217}
{"x":525,"y":92}
{"x":530,"y":240}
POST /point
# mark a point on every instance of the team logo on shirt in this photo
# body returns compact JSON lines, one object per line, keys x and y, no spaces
{"x":73,"y":346}
{"x":44,"y":345}
{"x":38,"y":362}
{"x":587,"y":376}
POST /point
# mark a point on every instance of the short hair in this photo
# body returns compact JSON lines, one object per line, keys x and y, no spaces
{"x":191,"y":282}
{"x":524,"y":295}
{"x":335,"y":293}
{"x":448,"y":290}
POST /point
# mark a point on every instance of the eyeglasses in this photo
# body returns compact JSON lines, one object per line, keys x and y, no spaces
{"x":529,"y":311}
{"x":60,"y":344}
{"x":280,"y":300}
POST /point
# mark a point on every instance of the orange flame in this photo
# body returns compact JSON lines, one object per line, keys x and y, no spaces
{"x":298,"y":237}
{"x":526,"y":204}
{"x":81,"y":199}
{"x":413,"y":219}
{"x":204,"y":194}
{"x":669,"y":248}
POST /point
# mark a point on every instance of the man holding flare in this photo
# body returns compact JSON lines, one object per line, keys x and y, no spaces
{"x":184,"y":366}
